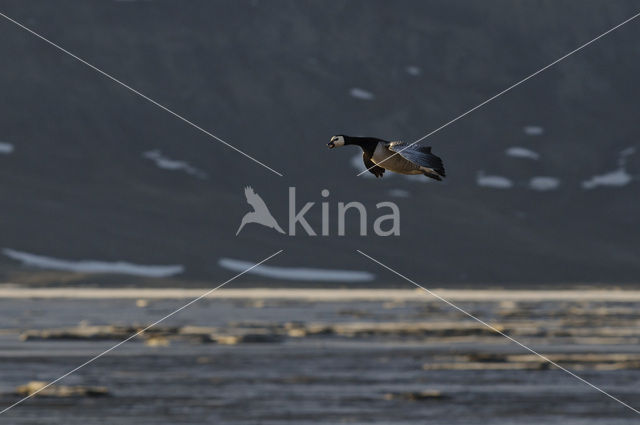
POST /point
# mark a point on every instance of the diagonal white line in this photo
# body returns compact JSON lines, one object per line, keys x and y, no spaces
{"x":175,"y":114}
{"x":507,"y":89}
{"x":91,"y":360}
{"x":499,"y":332}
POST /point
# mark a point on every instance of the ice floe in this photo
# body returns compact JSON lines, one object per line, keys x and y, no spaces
{"x":520,"y":152}
{"x":413,"y":70}
{"x":92,"y":266}
{"x":174,"y":165}
{"x":496,"y":182}
{"x":6,"y":148}
{"x":359,"y":93}
{"x":533,"y":130}
{"x":543,"y":183}
{"x":296,"y":273}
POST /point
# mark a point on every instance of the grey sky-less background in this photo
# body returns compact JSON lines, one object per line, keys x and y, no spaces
{"x":277,"y":79}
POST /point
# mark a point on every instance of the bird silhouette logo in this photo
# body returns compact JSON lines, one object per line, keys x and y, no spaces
{"x":260,"y":213}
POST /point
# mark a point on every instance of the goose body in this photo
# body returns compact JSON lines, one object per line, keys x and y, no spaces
{"x":379,"y":155}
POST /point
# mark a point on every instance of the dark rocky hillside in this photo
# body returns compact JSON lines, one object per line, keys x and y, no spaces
{"x":277,"y":79}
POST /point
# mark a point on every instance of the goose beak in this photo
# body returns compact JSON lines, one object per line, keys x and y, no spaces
{"x":331,"y":145}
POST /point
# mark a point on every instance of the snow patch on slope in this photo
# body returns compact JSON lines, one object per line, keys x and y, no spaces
{"x":167,"y":163}
{"x":399,"y":193}
{"x":543,"y":183}
{"x":6,"y":148}
{"x":520,"y":152}
{"x":362,"y":94}
{"x":533,"y":130}
{"x":92,"y":266}
{"x":495,"y":182}
{"x":616,"y":178}
{"x":296,"y":273}
{"x":413,"y":70}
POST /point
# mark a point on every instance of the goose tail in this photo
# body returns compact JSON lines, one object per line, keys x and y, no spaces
{"x":435,"y":163}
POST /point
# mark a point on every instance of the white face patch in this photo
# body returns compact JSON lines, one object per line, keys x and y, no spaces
{"x":337,"y":141}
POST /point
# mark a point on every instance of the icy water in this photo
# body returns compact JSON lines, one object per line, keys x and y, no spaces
{"x":356,"y":362}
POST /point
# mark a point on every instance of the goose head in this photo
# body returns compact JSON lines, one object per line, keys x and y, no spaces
{"x":336,"y":141}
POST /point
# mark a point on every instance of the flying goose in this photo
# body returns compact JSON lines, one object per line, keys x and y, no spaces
{"x":379,"y":155}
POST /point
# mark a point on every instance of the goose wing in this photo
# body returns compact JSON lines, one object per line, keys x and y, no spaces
{"x":419,"y":155}
{"x":373,"y":168}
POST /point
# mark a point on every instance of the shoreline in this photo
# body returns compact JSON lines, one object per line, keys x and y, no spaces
{"x":325,"y":295}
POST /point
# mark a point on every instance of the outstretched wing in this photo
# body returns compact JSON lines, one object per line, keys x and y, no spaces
{"x":419,"y":155}
{"x":373,"y":168}
{"x":254,"y":199}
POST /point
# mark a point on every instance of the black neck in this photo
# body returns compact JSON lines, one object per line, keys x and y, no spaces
{"x":366,"y":143}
